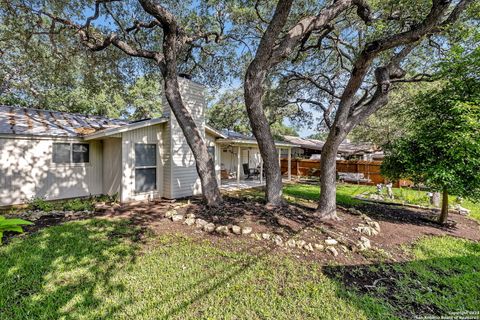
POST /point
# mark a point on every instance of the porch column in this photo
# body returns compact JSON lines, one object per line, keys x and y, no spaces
{"x":279,"y":150}
{"x":289,"y":163}
{"x":219,"y":151}
{"x":261,"y":169}
{"x":239,"y":159}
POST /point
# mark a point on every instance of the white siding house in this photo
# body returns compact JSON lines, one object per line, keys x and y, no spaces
{"x":57,"y":155}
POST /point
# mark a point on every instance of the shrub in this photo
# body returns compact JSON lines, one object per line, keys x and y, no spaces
{"x":40,"y":204}
{"x":13,"y":225}
{"x":78,"y":205}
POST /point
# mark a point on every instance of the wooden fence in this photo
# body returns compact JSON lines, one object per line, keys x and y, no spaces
{"x":311,"y":168}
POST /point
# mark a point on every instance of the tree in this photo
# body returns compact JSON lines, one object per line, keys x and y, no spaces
{"x":358,"y":52}
{"x":146,"y":30}
{"x":442,"y":148}
{"x":274,"y":47}
{"x":33,"y":72}
{"x":349,"y":64}
{"x":145,"y":98}
{"x":228,"y":113}
{"x":390,"y":122}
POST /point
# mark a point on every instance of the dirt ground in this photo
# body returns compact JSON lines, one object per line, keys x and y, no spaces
{"x":398,"y":226}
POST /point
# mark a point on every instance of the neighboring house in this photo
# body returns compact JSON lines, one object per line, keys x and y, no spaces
{"x":311,"y":148}
{"x":58,"y":155}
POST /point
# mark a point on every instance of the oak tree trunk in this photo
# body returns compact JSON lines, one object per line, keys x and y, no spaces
{"x":442,"y":219}
{"x":253,"y":92}
{"x":261,"y":130}
{"x":203,"y":161}
{"x":328,"y":176}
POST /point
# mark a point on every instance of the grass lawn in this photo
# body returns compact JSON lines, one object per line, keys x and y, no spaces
{"x":94,"y":269}
{"x":97,"y":269}
{"x":346,"y":192}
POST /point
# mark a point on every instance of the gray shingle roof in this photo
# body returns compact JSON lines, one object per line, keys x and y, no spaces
{"x":29,"y":121}
{"x":345,"y":147}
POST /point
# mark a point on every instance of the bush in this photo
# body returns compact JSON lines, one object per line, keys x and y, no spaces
{"x":40,"y":204}
{"x":13,"y":225}
{"x":78,"y":205}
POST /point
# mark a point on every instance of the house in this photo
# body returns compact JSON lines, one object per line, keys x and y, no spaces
{"x":58,"y":155}
{"x":306,"y":148}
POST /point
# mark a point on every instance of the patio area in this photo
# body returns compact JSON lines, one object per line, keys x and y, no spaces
{"x":233,"y":185}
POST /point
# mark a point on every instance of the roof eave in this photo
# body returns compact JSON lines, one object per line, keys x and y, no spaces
{"x":128,"y":127}
{"x":252,"y":142}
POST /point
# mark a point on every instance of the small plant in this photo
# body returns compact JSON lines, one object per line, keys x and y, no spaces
{"x":40,"y":204}
{"x":13,"y":225}
{"x":78,"y":205}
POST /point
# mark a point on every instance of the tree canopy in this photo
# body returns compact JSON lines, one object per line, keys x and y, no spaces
{"x":442,"y":146}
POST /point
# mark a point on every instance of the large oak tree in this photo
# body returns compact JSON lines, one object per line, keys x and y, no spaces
{"x":148,"y":30}
{"x":359,"y":50}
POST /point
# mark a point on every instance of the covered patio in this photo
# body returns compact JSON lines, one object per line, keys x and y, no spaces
{"x":242,"y":165}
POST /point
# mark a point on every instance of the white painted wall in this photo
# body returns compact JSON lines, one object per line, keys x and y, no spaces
{"x":27,"y":171}
{"x":112,"y":166}
{"x":151,"y":134}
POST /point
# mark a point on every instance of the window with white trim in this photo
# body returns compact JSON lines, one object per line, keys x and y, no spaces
{"x":65,"y":153}
{"x":145,"y":167}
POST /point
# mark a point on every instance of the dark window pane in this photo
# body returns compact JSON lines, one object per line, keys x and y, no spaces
{"x":61,"y":153}
{"x":80,"y":152}
{"x":211,"y":150}
{"x":145,"y":179}
{"x":145,"y":155}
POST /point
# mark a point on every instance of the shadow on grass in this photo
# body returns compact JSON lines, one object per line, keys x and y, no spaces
{"x":444,"y":279}
{"x":65,"y":270}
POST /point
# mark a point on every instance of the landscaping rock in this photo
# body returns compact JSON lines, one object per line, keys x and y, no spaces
{"x":278,"y":240}
{"x":236,"y":229}
{"x":190,"y":216}
{"x":190,"y":221}
{"x":222,"y":229}
{"x":344,"y":248}
{"x":365,"y":217}
{"x":308,"y":247}
{"x":374,"y":224}
{"x":319,"y":247}
{"x":331,"y":242}
{"x":354,"y":211}
{"x":332,"y":250}
{"x":209,"y":227}
{"x":246,"y":230}
{"x":363,"y":244}
{"x":367,"y":230}
{"x":291,"y":243}
{"x":170,"y":213}
{"x":177,"y":217}
{"x":300,"y":243}
{"x":199,"y":223}
{"x":265,"y":236}
{"x":461,"y":210}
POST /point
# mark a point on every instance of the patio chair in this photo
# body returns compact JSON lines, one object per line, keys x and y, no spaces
{"x":250,"y":172}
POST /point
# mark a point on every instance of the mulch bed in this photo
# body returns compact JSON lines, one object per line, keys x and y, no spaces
{"x":399,"y":225}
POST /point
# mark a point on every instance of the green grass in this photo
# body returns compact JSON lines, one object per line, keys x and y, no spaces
{"x":347,"y":192}
{"x":95,"y":269}
{"x":443,"y":277}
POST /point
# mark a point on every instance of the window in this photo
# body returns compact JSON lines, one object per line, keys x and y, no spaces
{"x":145,"y":167}
{"x":211,"y":151}
{"x":61,"y":153}
{"x":71,"y":153}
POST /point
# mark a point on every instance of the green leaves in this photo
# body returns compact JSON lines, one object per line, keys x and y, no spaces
{"x":442,"y":147}
{"x":12,"y":225}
